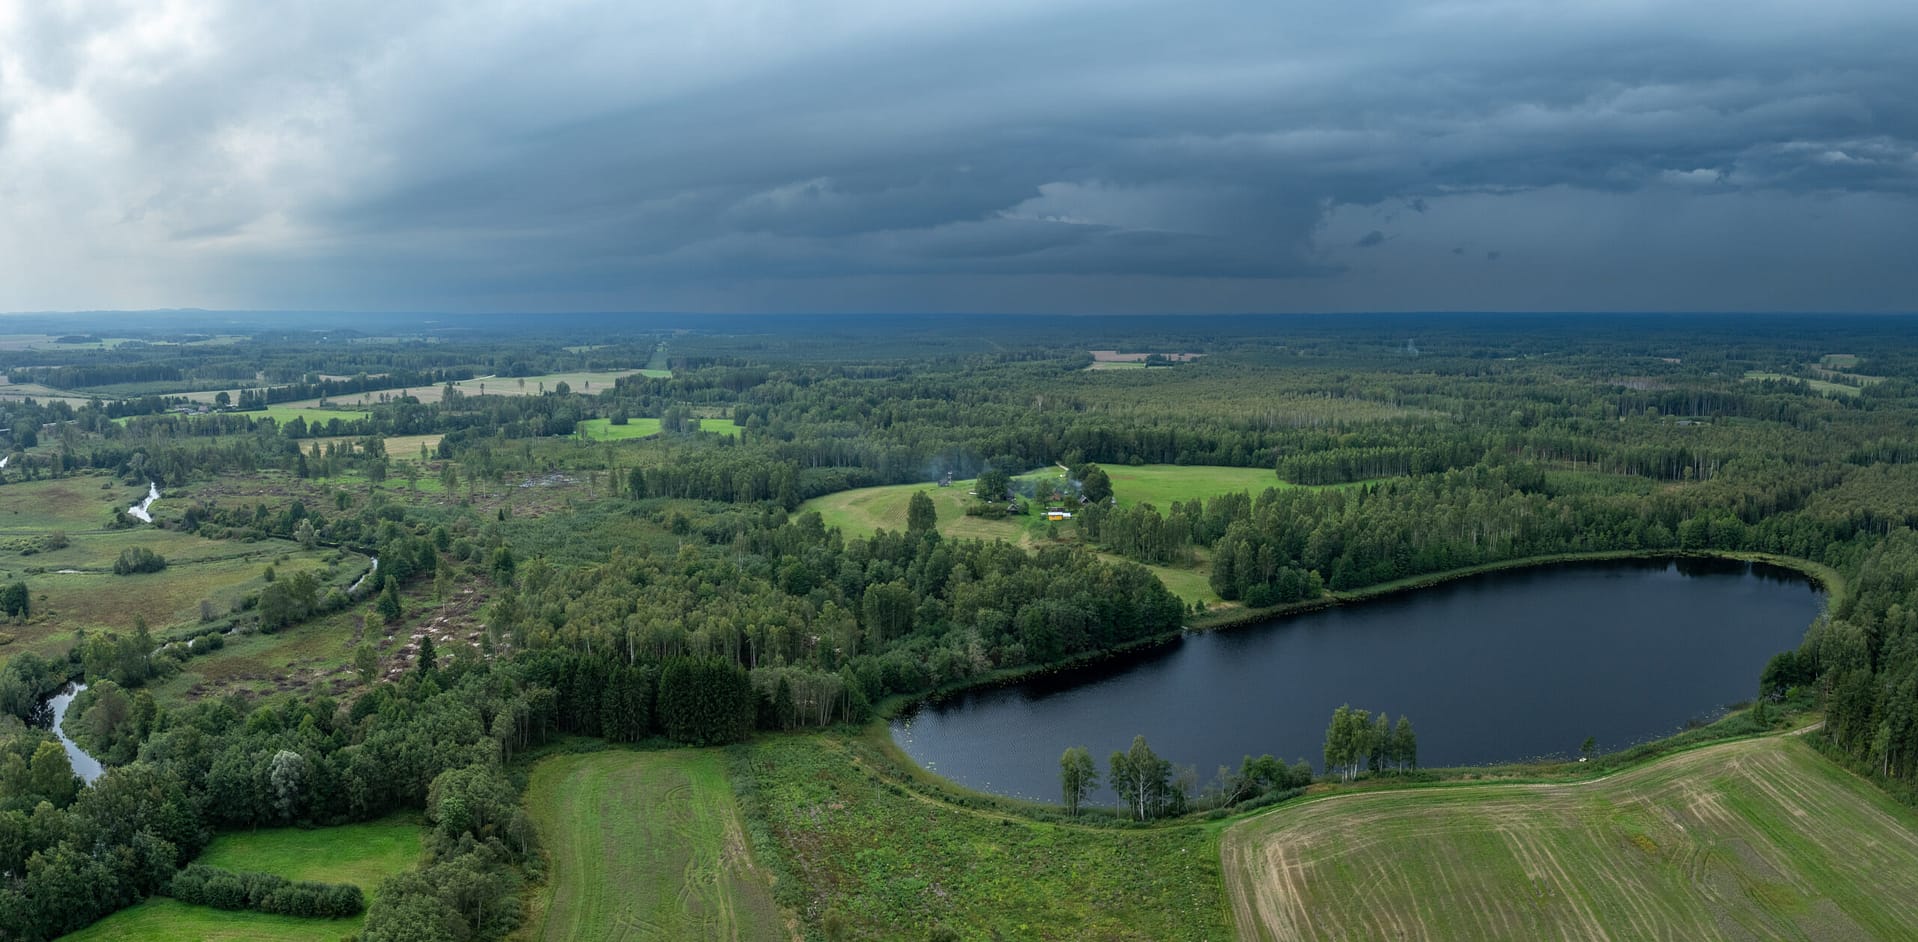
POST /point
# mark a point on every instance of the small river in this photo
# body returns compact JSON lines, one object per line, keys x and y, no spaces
{"x":141,"y":509}
{"x":84,"y":765}
{"x":1499,"y":667}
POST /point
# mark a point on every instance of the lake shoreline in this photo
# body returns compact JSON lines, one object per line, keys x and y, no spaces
{"x":880,"y":734}
{"x":1824,"y":577}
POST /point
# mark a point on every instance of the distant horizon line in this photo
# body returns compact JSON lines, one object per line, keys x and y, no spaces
{"x":1461,"y":312}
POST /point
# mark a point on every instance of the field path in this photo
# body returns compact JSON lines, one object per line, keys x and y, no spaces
{"x":646,"y":846}
{"x":1759,"y":838}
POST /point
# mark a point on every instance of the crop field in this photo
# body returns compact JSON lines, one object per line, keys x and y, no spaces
{"x":887,"y":862}
{"x":646,"y":845}
{"x":407,"y":447}
{"x":362,"y":854}
{"x":311,"y":414}
{"x":589,"y":383}
{"x":1760,"y":838}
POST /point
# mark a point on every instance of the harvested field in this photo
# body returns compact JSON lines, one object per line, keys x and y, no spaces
{"x":1759,"y":838}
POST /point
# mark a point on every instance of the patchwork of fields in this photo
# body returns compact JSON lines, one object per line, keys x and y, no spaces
{"x":1759,"y":838}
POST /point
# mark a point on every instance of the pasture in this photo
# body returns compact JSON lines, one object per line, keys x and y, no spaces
{"x":1758,"y":838}
{"x":645,"y":845}
{"x":363,"y":854}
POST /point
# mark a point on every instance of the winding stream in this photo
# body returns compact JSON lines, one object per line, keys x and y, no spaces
{"x":139,"y":510}
{"x":354,"y":589}
{"x":85,"y":766}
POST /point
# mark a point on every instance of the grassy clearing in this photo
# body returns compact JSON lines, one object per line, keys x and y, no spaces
{"x":163,"y":920}
{"x":1817,"y":385}
{"x":888,"y":862}
{"x":645,"y":845}
{"x":362,"y":854}
{"x":312,"y":414}
{"x":603,"y":430}
{"x":866,"y":510}
{"x":407,"y":447}
{"x":1161,"y":484}
{"x":1758,"y":838}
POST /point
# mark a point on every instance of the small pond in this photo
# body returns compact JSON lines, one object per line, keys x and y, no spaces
{"x":1499,"y":667}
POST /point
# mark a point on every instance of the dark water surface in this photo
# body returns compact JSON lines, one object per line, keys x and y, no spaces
{"x":85,"y":766}
{"x":1499,"y":667}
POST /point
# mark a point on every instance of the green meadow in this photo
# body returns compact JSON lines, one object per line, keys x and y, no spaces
{"x":362,"y":854}
{"x":645,"y":845}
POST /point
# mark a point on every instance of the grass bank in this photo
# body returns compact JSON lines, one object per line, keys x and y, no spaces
{"x":864,"y":858}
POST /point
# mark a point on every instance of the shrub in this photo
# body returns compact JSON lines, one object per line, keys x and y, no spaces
{"x":202,"y":885}
{"x":138,"y":559}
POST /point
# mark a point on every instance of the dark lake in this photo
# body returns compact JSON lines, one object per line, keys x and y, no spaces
{"x":1499,"y":667}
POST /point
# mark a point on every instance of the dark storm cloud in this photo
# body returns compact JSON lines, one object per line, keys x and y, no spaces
{"x":1057,"y":156}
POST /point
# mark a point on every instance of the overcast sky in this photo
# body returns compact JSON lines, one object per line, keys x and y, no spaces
{"x":878,"y":155}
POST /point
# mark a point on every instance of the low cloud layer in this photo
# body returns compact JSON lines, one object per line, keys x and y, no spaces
{"x":987,"y":156}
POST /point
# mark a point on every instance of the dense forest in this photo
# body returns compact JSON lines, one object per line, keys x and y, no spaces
{"x":668,"y":586}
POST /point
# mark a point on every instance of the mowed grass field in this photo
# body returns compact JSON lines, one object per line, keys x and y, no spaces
{"x":603,"y":430}
{"x":1760,"y":838}
{"x":363,"y":854}
{"x":645,"y":845}
{"x":1161,"y":484}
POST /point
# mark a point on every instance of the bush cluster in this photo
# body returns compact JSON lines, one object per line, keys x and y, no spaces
{"x":202,"y":885}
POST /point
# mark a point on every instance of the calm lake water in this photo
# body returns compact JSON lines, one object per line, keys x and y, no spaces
{"x":1500,"y":667}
